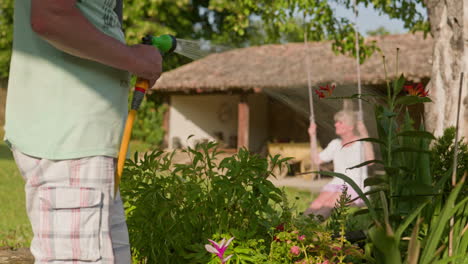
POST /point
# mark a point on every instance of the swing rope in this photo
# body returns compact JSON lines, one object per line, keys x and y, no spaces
{"x":358,"y":64}
{"x":313,"y":139}
{"x":358,"y":72}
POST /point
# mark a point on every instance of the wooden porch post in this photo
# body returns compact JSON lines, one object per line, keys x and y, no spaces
{"x":243,"y":123}
{"x":166,"y":118}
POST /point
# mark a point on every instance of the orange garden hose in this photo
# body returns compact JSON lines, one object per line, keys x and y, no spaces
{"x":165,"y":44}
{"x":141,"y":87}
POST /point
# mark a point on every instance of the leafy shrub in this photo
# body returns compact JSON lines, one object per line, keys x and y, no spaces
{"x":148,"y":126}
{"x":414,"y":198}
{"x":442,"y":153}
{"x":303,"y":240}
{"x":173,"y":208}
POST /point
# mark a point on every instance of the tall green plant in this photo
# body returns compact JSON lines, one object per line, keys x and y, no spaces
{"x":173,"y":208}
{"x":415,"y":186}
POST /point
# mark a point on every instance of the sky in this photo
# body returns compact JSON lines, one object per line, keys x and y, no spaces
{"x":369,"y":19}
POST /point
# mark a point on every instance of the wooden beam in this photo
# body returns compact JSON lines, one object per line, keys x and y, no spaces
{"x":243,"y":123}
{"x":166,"y":119}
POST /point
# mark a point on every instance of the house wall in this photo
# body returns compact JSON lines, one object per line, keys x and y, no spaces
{"x":206,"y":117}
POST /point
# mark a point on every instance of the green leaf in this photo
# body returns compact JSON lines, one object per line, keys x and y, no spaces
{"x":461,"y":256}
{"x":372,"y":181}
{"x":437,"y":229}
{"x":411,"y":99}
{"x":410,"y":149}
{"x":410,"y":218}
{"x":386,"y":245}
{"x":398,"y":84}
{"x":416,"y":134}
{"x":365,"y":163}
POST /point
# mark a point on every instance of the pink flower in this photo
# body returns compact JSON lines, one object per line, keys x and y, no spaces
{"x":295,"y":250}
{"x":219,"y":249}
{"x":301,"y":238}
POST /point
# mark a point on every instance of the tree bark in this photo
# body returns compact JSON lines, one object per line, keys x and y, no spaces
{"x":449,"y":27}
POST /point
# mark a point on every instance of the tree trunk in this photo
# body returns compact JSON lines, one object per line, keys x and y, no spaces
{"x":449,"y":27}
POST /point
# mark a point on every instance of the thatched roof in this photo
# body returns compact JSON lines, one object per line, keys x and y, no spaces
{"x":283,"y":66}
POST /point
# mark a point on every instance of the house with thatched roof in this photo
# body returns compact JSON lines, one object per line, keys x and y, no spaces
{"x":250,"y":96}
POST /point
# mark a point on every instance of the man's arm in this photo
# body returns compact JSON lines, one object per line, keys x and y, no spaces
{"x":63,"y":25}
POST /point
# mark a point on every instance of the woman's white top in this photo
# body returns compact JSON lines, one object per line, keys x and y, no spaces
{"x":344,"y":158}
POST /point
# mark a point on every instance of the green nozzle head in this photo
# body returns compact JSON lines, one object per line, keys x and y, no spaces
{"x":165,"y":43}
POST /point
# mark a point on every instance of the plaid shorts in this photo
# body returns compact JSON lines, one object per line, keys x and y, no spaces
{"x":72,"y":210}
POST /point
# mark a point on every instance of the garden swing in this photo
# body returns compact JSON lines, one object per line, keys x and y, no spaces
{"x":360,"y":117}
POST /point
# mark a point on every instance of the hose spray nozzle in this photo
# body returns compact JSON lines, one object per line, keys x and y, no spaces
{"x":165,"y":43}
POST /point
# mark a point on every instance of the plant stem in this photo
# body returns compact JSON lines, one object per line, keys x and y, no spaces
{"x":389,"y":95}
{"x":455,"y":164}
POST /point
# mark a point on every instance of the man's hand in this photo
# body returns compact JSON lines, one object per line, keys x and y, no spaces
{"x":149,"y":65}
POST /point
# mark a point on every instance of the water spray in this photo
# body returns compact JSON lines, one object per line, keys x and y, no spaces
{"x":166,"y":44}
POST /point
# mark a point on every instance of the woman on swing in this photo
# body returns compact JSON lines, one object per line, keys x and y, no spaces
{"x":344,"y":156}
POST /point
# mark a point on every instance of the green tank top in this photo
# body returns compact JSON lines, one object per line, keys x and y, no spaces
{"x":60,"y":106}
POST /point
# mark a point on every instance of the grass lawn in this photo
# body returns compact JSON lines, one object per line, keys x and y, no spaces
{"x":298,"y":198}
{"x":15,"y":230}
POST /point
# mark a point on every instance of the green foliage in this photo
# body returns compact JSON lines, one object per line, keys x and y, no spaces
{"x":249,"y":251}
{"x":403,"y":10}
{"x":442,"y":153}
{"x":339,"y":219}
{"x":15,"y":229}
{"x":380,"y":31}
{"x":415,"y":198}
{"x":302,"y":239}
{"x":239,"y":23}
{"x":148,"y":126}
{"x":312,"y":243}
{"x":173,"y":208}
{"x":6,"y":36}
{"x":317,"y":246}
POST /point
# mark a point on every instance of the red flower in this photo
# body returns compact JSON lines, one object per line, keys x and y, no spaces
{"x":320,"y":94}
{"x":280,"y":227}
{"x":325,"y":91}
{"x":416,"y":90}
